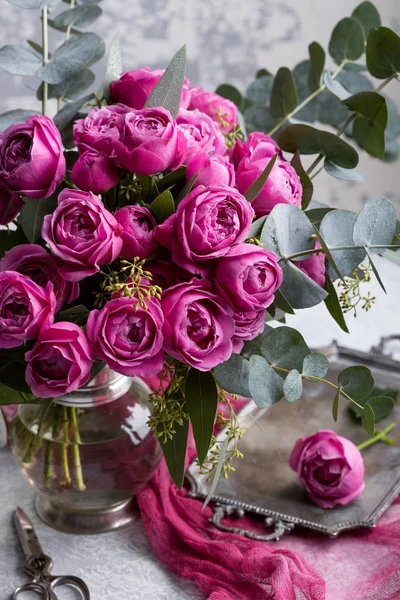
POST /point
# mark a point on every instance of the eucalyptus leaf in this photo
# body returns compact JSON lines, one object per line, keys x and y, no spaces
{"x":256,"y":187}
{"x":175,"y":452}
{"x":357,"y":382}
{"x":335,"y":405}
{"x":381,"y":405}
{"x":293,"y":386}
{"x":68,"y":112}
{"x":335,"y":86}
{"x":201,"y":400}
{"x":77,"y":52}
{"x":283,"y":94}
{"x":233,"y":375}
{"x":282,"y":303}
{"x":309,"y":140}
{"x":347,"y":40}
{"x":32,"y":215}
{"x":333,"y":305}
{"x":287,"y":231}
{"x":317,"y":63}
{"x":163,"y":206}
{"x":343,"y":174}
{"x":230,"y":93}
{"x":376,"y":272}
{"x":33,"y":4}
{"x":299,"y":289}
{"x":71,"y":87}
{"x":368,"y":16}
{"x":259,"y":91}
{"x":305,"y":180}
{"x":370,"y":124}
{"x":256,"y":227}
{"x":76,"y":314}
{"x":284,"y":347}
{"x":383,"y":52}
{"x":375,"y":224}
{"x":251,"y":347}
{"x":337,"y":231}
{"x":315,"y":365}
{"x":266,"y":387}
{"x":10,"y":396}
{"x":14,"y":116}
{"x":19,"y":61}
{"x":168,"y":91}
{"x":368,"y":420}
{"x":113,"y":66}
{"x":79,"y":17}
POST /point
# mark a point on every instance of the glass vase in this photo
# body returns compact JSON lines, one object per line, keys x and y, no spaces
{"x":89,"y":453}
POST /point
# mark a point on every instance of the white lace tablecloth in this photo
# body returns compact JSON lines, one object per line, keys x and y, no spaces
{"x":116,"y":566}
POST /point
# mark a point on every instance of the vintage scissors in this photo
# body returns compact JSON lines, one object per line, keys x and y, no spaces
{"x":38,"y":565}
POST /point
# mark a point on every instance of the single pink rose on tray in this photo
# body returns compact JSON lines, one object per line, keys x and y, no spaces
{"x":330,"y":467}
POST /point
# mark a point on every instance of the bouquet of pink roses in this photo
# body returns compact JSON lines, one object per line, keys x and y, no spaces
{"x":150,"y":233}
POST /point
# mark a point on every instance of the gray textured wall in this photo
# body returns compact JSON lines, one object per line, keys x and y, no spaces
{"x":227,"y":41}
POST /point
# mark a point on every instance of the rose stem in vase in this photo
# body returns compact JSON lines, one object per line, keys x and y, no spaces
{"x":76,"y":455}
{"x":65,"y":477}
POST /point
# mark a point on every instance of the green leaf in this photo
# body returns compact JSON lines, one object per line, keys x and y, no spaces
{"x":113,"y":65}
{"x":375,"y":224}
{"x":357,"y":382}
{"x":79,"y":17}
{"x":306,"y":182}
{"x":333,"y":305}
{"x":315,"y":364}
{"x":32,"y":215}
{"x":259,"y":91}
{"x":258,"y":118}
{"x":71,"y":87}
{"x":282,"y":303}
{"x":334,"y":86}
{"x":317,"y":63}
{"x":343,"y":174}
{"x":327,"y":253}
{"x":384,"y":408}
{"x":317,"y":210}
{"x":168,"y":91}
{"x":233,"y":375}
{"x":77,"y":52}
{"x":14,"y":116}
{"x":10,"y":396}
{"x":218,"y":471}
{"x":230,"y":93}
{"x":175,"y":453}
{"x":257,"y":185}
{"x":10,"y":238}
{"x":283,"y":94}
{"x":299,"y":289}
{"x":76,"y":314}
{"x":173,"y":178}
{"x":19,"y":61}
{"x":201,"y":401}
{"x":32,"y":4}
{"x":256,"y":227}
{"x":375,"y":271}
{"x":347,"y":40}
{"x":368,"y":16}
{"x":337,"y":231}
{"x":12,"y":369}
{"x":287,"y":231}
{"x":368,"y":420}
{"x":266,"y":387}
{"x":381,"y":405}
{"x":335,"y":405}
{"x":370,"y":124}
{"x":64,"y":117}
{"x":285,"y":347}
{"x":293,"y":386}
{"x":383,"y":52}
{"x":309,"y":140}
{"x":163,"y":206}
{"x":187,"y":188}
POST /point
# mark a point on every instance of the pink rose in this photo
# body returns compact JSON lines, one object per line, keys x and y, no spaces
{"x":210,"y":170}
{"x":138,"y":236}
{"x":201,"y":133}
{"x":258,"y":145}
{"x":206,"y":224}
{"x":330,"y":467}
{"x":128,"y":339}
{"x":248,"y":277}
{"x":10,"y":206}
{"x":198,"y":326}
{"x":98,"y":130}
{"x":222,"y":111}
{"x":25,"y":308}
{"x":82,"y":233}
{"x":314,"y":266}
{"x":248,"y":325}
{"x":60,"y":361}
{"x":282,"y":186}
{"x":165,"y":273}
{"x":150,"y":142}
{"x":32,"y":162}
{"x":134,"y":87}
{"x":95,"y":172}
{"x":33,"y":261}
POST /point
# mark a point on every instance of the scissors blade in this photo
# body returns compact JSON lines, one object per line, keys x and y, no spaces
{"x":29,"y":540}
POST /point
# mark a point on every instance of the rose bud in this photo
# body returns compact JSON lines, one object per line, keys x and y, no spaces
{"x":95,"y":172}
{"x":33,"y":261}
{"x":60,"y":361}
{"x":222,"y":111}
{"x":258,"y":144}
{"x":282,"y":186}
{"x":248,"y":325}
{"x":210,"y":170}
{"x":201,"y":133}
{"x":206,"y":224}
{"x":248,"y":277}
{"x":134,"y":87}
{"x":10,"y":206}
{"x":330,"y":467}
{"x":138,"y":236}
{"x":314,"y":266}
{"x":25,"y":307}
{"x":150,"y":142}
{"x":98,"y":130}
{"x":128,"y":338}
{"x":82,"y":233}
{"x":198,"y":326}
{"x":32,"y":162}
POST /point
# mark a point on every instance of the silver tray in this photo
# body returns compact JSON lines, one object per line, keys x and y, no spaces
{"x":264,"y":485}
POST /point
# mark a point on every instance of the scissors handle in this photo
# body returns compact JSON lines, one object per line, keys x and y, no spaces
{"x":67,"y":581}
{"x":31,"y":587}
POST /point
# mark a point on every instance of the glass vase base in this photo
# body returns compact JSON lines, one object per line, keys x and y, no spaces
{"x":86,"y":522}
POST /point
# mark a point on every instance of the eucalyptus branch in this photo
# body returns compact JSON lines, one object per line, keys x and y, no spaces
{"x":45,"y":55}
{"x":382,"y":435}
{"x":306,"y":101}
{"x":67,"y":36}
{"x":347,"y":122}
{"x":338,"y":248}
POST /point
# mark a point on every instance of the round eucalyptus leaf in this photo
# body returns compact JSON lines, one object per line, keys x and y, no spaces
{"x":317,"y":63}
{"x":299,"y":289}
{"x":376,"y":224}
{"x":347,"y":40}
{"x":368,"y":16}
{"x":315,"y":364}
{"x":343,"y":174}
{"x":233,"y":375}
{"x":32,"y":4}
{"x":293,"y":386}
{"x":14,"y":116}
{"x":69,"y":111}
{"x":72,"y":87}
{"x":381,"y":405}
{"x":259,"y":91}
{"x":337,"y":231}
{"x":287,"y":231}
{"x":383,"y":52}
{"x":357,"y":382}
{"x":230,"y":93}
{"x":368,"y":419}
{"x":79,"y":17}
{"x":285,"y":347}
{"x":258,"y":118}
{"x":19,"y":61}
{"x":265,"y":385}
{"x":283,"y":94}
